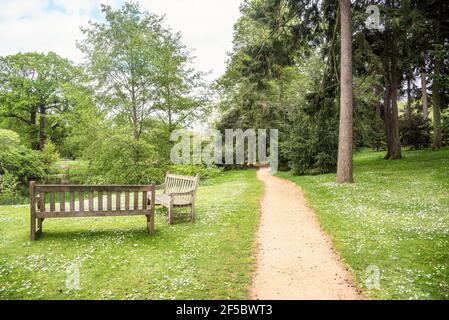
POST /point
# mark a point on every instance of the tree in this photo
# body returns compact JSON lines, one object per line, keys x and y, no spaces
{"x":32,"y":87}
{"x":181,"y":94}
{"x":344,"y":165}
{"x":121,"y":57}
{"x":140,"y":69}
{"x":437,"y":135}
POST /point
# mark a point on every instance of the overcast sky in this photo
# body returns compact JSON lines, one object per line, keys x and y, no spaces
{"x":53,"y":25}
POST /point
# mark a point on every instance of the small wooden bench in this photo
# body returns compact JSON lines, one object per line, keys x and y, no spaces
{"x":93,"y":201}
{"x":177,"y":192}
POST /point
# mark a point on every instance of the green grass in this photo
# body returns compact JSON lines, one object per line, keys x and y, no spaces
{"x":211,"y":259}
{"x":395,"y":217}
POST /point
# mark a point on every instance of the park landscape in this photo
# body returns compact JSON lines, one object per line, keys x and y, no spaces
{"x":358,"y":207}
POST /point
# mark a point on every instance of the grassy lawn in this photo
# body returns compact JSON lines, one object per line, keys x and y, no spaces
{"x":211,"y":259}
{"x":395,"y":217}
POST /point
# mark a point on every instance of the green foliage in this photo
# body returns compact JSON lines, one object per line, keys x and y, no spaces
{"x":9,"y":193}
{"x":415,"y":132}
{"x":116,"y":157}
{"x":312,"y":149}
{"x":49,"y":153}
{"x":140,"y":67}
{"x":32,"y":94}
{"x":23,"y":163}
{"x":192,"y":170}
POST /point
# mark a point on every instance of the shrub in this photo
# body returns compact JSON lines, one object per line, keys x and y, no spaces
{"x":312,"y":148}
{"x":118,"y":158}
{"x":192,"y":170}
{"x":415,"y":132}
{"x":49,"y":153}
{"x":9,"y":193}
{"x":23,"y":163}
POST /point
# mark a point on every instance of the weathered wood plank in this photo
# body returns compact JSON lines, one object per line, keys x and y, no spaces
{"x":100,"y":201}
{"x":136,"y":200}
{"x":91,"y":201}
{"x":144,"y":200}
{"x":81,"y":188}
{"x":127,"y":200}
{"x":72,"y":201}
{"x":52,"y":201}
{"x":109,"y":201}
{"x":81,"y":201}
{"x":61,"y":201}
{"x":118,"y":201}
{"x":42,"y":201}
{"x":107,"y":213}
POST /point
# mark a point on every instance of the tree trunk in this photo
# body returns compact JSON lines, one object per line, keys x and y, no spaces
{"x":391,"y":78}
{"x":387,"y":121}
{"x":42,"y":136}
{"x":34,"y":132}
{"x":437,"y":135}
{"x":395,"y":152}
{"x":425,"y":99}
{"x":344,"y":165}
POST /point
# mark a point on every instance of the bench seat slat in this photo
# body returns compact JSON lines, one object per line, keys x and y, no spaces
{"x":91,"y":214}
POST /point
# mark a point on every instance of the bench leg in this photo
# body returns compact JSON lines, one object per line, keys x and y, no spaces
{"x":150,"y":224}
{"x":33,"y":235}
{"x":170,"y":214}
{"x":192,"y":213}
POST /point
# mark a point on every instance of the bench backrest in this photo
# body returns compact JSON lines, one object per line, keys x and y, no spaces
{"x":179,"y":183}
{"x":88,"y":200}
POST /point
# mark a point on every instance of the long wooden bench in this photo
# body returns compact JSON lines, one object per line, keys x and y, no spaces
{"x":88,"y":201}
{"x":177,"y":191}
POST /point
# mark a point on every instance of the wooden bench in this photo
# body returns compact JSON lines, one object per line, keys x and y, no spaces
{"x":177,"y":192}
{"x":93,"y":201}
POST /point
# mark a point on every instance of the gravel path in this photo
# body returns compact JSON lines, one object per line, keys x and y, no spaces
{"x":295,"y":258}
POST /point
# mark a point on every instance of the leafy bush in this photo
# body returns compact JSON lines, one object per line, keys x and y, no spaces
{"x":23,"y":163}
{"x":49,"y":153}
{"x":415,"y":132}
{"x":117,"y":158}
{"x":192,"y":170}
{"x":9,"y":193}
{"x":312,"y":149}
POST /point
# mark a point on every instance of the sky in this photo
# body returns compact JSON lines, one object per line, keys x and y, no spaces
{"x":54,"y":25}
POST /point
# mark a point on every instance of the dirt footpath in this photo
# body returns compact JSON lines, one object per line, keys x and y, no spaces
{"x":295,"y":258}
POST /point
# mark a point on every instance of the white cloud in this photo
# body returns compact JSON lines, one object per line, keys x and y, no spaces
{"x":44,"y":25}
